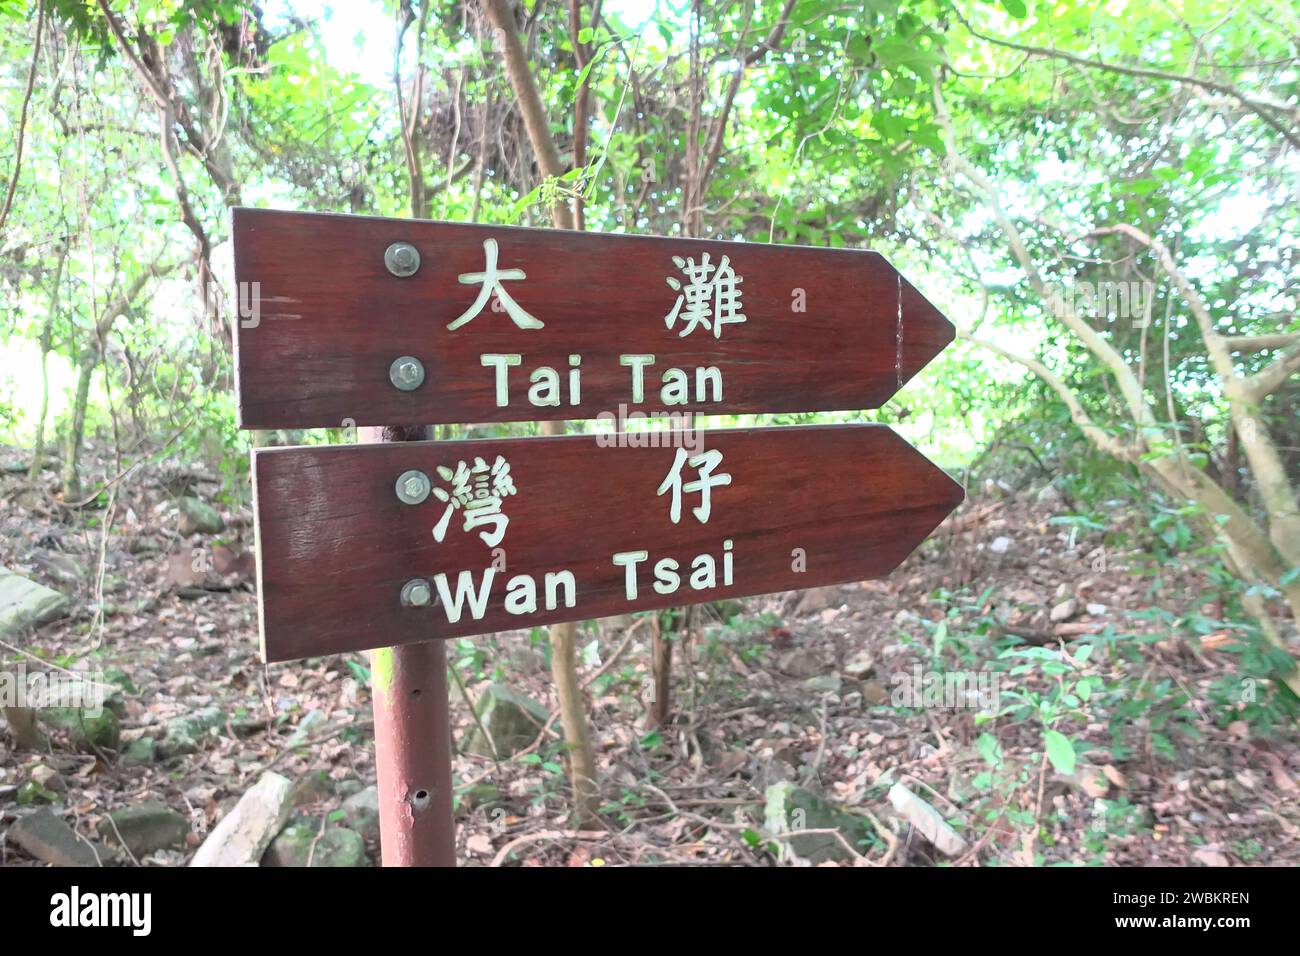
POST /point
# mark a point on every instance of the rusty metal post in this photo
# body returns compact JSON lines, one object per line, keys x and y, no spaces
{"x":412,"y":738}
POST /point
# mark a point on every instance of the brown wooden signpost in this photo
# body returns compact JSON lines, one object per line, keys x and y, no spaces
{"x":566,"y":529}
{"x":377,"y":321}
{"x":497,"y":323}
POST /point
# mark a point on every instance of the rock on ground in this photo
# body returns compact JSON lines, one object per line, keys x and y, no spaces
{"x":801,"y":662}
{"x":46,"y":837}
{"x":861,"y":665}
{"x":513,"y":720}
{"x":243,"y":834}
{"x":24,"y":603}
{"x":199,"y":516}
{"x":86,"y":731}
{"x":1064,"y":611}
{"x":361,"y":813}
{"x":183,"y":732}
{"x":928,"y":821}
{"x":144,"y":829}
{"x":140,"y":752}
{"x":816,"y":599}
{"x":309,"y":726}
{"x":790,"y":809}
{"x":335,"y":847}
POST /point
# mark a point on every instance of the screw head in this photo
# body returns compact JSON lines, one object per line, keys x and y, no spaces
{"x":413,"y":487}
{"x":416,"y":593}
{"x":406,"y":373}
{"x":402,"y":259}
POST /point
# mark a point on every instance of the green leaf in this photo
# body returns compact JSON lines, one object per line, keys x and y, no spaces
{"x":940,"y":635}
{"x":859,"y":50}
{"x":586,"y":34}
{"x":990,"y":750}
{"x":1016,"y":8}
{"x":525,"y":201}
{"x":1059,"y":750}
{"x":906,"y":54}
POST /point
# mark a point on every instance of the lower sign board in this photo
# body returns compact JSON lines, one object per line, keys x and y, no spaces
{"x":375,"y":545}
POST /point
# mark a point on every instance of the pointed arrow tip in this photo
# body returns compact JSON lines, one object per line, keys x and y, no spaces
{"x":924,"y":331}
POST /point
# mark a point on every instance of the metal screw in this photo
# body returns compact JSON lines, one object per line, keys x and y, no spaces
{"x":402,"y":259}
{"x":406,"y":373}
{"x":416,"y":593}
{"x":413,"y":487}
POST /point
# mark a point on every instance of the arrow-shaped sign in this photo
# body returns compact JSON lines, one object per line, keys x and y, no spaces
{"x":374,"y":545}
{"x":368,"y":321}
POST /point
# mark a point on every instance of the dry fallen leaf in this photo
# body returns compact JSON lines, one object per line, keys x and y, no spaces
{"x":1210,"y":856}
{"x":579,"y":857}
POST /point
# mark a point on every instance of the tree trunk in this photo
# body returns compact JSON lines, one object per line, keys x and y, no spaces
{"x":22,"y":722}
{"x":564,"y":652}
{"x":77,"y":427}
{"x":661,"y":669}
{"x":47,"y":334}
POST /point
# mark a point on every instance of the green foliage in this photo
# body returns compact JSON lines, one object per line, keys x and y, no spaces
{"x":833,"y":139}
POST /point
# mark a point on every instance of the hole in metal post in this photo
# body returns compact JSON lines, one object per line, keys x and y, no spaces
{"x":420,"y":799}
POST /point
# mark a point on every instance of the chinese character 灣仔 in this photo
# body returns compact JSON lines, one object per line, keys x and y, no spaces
{"x":705,"y":462}
{"x":490,"y":279}
{"x":710,"y":297}
{"x":477,"y":490}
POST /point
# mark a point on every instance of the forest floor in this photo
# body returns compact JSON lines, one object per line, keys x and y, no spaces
{"x":801,"y":687}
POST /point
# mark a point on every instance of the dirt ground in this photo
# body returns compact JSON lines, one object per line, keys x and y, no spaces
{"x":801,"y":687}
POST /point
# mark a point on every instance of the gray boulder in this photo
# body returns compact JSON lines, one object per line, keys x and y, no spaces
{"x":141,"y":752}
{"x":184,"y":732}
{"x":512,"y":720}
{"x":45,"y":836}
{"x":86,"y":730}
{"x":298,"y":844}
{"x":790,"y":809}
{"x":199,"y":516}
{"x":144,"y":828}
{"x":24,"y":603}
{"x":361,"y":813}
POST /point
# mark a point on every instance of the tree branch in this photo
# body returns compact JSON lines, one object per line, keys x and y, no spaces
{"x":1269,"y":379}
{"x":1243,"y":396}
{"x":524,"y":85}
{"x":1129,"y":386}
{"x":22,"y":116}
{"x":1263,"y":108}
{"x":1260,"y":343}
{"x":1078,"y":414}
{"x":771,"y":42}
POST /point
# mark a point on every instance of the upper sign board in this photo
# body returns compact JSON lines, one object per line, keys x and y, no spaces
{"x":368,"y":321}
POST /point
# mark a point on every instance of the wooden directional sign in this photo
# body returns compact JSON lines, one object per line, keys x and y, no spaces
{"x":348,"y":319}
{"x":372,"y":545}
